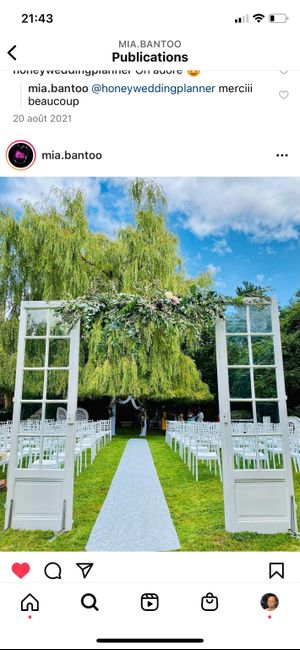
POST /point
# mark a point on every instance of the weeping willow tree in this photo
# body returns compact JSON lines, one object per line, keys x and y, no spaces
{"x":8,"y":357}
{"x":148,"y":250}
{"x":148,"y":363}
{"x":143,"y":339}
{"x":47,"y":254}
{"x":136,"y":346}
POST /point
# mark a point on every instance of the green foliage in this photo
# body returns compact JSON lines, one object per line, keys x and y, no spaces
{"x":143,"y":318}
{"x":8,"y":354}
{"x":155,"y":368}
{"x":140,"y":346}
{"x":48,"y":254}
{"x":290,"y":329}
{"x":148,"y":254}
{"x":252,"y":290}
{"x":147,"y":195}
{"x":148,"y":250}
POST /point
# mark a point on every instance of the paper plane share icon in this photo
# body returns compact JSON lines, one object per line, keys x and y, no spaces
{"x":85,"y":567}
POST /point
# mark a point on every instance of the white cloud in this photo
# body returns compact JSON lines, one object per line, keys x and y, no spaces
{"x":221,"y":247}
{"x":212,"y":269}
{"x":18,"y":190}
{"x":33,"y":189}
{"x":265,"y":209}
{"x":260,"y":277}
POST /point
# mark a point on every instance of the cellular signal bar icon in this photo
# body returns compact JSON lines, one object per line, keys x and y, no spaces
{"x":242,"y":19}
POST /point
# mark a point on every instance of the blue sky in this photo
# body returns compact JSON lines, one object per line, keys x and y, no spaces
{"x":238,"y":228}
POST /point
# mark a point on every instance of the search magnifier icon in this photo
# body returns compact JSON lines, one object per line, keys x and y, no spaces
{"x":89,"y":601}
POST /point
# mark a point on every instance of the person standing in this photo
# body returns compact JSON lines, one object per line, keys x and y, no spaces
{"x":191,"y":416}
{"x":164,"y":420}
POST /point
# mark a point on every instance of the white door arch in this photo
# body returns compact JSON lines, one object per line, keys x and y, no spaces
{"x":258,"y":496}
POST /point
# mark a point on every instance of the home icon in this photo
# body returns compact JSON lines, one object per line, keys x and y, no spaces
{"x":30,"y":603}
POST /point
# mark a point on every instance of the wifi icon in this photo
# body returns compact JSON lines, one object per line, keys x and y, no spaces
{"x":258,"y":17}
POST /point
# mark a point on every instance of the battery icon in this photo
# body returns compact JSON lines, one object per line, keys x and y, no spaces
{"x":278,"y":18}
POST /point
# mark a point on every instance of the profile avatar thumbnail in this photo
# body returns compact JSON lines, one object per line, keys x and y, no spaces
{"x":20,"y":154}
{"x":269,"y":602}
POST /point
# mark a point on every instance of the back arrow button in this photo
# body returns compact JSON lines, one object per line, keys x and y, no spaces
{"x":10,"y":52}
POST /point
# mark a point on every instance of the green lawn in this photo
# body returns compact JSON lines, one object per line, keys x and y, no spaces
{"x":196,"y":508}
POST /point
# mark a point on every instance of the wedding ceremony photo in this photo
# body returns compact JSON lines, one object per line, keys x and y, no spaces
{"x":149,"y":364}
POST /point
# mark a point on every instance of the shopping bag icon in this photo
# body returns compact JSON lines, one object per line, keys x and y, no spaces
{"x":209,"y":602}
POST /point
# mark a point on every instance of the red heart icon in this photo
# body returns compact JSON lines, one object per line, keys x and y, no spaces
{"x":20,"y":569}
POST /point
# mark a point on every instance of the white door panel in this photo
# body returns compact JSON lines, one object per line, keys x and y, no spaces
{"x":258,"y":483}
{"x":41,"y":467}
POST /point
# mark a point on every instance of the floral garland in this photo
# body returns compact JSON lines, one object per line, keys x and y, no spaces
{"x":131,"y":314}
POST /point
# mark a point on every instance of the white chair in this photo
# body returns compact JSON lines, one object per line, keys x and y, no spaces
{"x":81,"y":414}
{"x":206,"y":451}
{"x":61,"y":413}
{"x":294,"y":432}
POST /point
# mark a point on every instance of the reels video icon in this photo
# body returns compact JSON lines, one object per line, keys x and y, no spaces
{"x":20,"y":154}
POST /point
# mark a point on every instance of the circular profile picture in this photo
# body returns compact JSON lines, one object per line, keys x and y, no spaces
{"x":20,"y":154}
{"x":269,"y":602}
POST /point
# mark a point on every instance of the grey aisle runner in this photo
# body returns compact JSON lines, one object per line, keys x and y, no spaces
{"x":134,"y":515}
